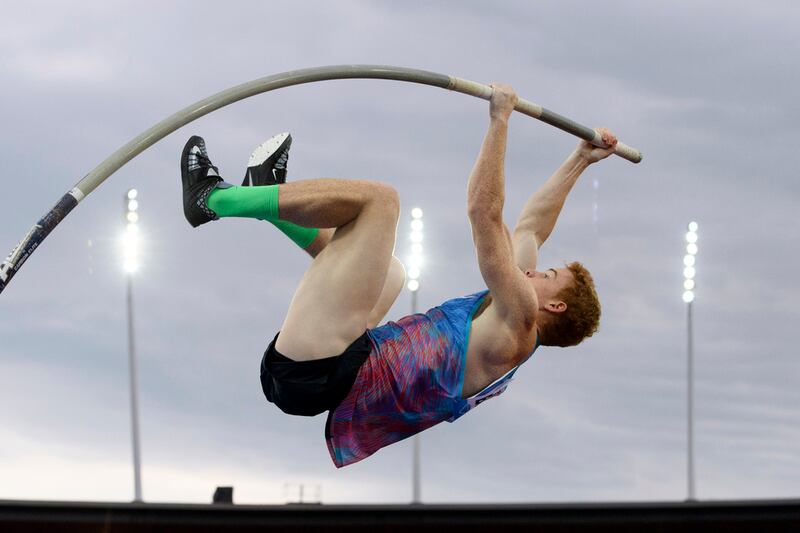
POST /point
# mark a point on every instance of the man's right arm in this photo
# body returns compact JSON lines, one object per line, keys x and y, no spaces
{"x":514,"y":298}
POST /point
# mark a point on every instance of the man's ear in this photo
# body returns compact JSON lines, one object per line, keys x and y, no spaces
{"x":557,"y":307}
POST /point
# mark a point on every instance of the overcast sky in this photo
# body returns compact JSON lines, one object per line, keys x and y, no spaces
{"x":707,"y":90}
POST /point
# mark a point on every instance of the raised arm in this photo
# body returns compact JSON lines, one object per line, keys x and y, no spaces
{"x":541,"y":211}
{"x":514,"y":298}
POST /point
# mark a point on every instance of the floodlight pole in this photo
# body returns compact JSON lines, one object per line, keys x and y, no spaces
{"x":690,"y":403}
{"x":131,"y":260}
{"x":137,"y":462}
{"x":416,"y":488}
{"x":689,"y":287}
{"x":413,"y":286}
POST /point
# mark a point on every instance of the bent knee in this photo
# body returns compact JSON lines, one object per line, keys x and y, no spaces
{"x":395,"y":279}
{"x":386,"y":196}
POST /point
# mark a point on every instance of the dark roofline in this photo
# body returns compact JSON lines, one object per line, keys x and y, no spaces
{"x":717,"y":516}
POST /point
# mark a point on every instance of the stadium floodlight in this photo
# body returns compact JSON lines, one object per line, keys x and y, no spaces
{"x":130,"y":242}
{"x":689,"y":262}
{"x":130,"y":239}
{"x":689,"y":285}
{"x":414,"y":272}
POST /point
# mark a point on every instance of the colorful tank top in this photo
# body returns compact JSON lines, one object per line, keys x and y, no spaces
{"x":412,"y":380}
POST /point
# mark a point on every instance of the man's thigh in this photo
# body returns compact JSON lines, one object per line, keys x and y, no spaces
{"x":332,"y":304}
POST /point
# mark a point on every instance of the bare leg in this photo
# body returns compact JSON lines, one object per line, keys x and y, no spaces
{"x":395,"y":278}
{"x":335,"y":299}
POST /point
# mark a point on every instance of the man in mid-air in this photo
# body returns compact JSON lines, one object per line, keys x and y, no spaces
{"x":382,"y":384}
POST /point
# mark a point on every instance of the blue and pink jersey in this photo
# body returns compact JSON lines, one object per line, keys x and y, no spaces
{"x":412,"y":380}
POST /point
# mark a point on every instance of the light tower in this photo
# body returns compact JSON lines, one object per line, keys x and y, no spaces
{"x":689,"y":273}
{"x":131,"y":264}
{"x":414,"y":271}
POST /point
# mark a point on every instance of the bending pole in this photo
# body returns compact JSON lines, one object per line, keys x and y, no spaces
{"x":115,"y":161}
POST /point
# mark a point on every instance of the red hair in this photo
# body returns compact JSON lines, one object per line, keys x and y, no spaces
{"x":581,"y":319}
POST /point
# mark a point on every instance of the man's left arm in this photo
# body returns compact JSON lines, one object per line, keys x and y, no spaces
{"x":539,"y":216}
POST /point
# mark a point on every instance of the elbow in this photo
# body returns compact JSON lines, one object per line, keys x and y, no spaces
{"x":484,"y":211}
{"x":530,"y":233}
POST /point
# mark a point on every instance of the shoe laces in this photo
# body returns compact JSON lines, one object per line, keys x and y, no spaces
{"x":204,"y":162}
{"x":280,"y":164}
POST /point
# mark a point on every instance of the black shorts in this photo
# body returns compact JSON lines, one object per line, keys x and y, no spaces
{"x":308,"y":388}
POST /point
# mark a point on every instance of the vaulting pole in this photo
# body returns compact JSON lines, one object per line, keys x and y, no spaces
{"x":115,"y":161}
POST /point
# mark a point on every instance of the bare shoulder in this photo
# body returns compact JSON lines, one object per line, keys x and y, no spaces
{"x":494,"y":348}
{"x":494,"y":341}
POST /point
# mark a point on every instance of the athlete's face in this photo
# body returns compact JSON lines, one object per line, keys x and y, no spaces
{"x":548,"y":284}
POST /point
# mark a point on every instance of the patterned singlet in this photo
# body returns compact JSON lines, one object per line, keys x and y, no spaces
{"x":412,"y":380}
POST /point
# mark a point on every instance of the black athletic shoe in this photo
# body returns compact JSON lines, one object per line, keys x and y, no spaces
{"x":267,"y":165}
{"x":200,"y":177}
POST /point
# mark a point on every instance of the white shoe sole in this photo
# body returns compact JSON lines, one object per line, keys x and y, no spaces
{"x":264,"y":150}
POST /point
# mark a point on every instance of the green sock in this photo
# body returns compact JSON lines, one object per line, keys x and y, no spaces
{"x":260,"y":203}
{"x":247,"y":202}
{"x":301,"y":236}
